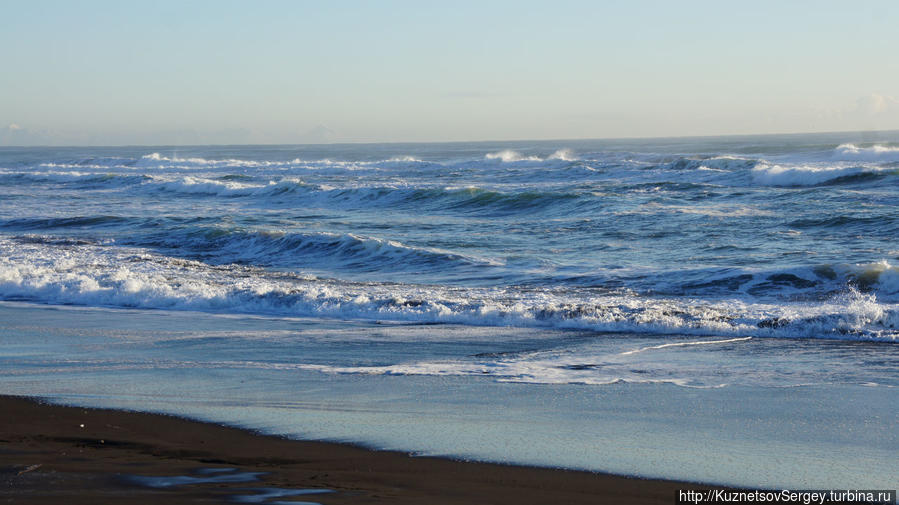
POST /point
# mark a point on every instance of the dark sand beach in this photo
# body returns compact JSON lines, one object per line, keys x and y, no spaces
{"x":57,"y":454}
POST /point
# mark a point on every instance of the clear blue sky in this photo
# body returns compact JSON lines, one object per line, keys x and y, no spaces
{"x":115,"y":72}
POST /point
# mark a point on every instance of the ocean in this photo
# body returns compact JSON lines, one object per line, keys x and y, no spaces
{"x":720,"y":310}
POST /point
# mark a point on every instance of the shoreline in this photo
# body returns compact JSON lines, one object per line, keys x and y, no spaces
{"x":52,"y":452}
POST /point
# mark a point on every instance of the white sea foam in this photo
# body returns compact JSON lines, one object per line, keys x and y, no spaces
{"x":156,"y":159}
{"x":113,"y":276}
{"x":564,"y":155}
{"x":548,"y":370}
{"x":159,"y":161}
{"x":512,"y":156}
{"x":684,"y":344}
{"x":875,"y":153}
{"x":509,"y":155}
{"x":199,"y":185}
{"x":720,"y":210}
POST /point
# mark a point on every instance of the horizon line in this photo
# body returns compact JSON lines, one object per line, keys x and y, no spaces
{"x":581,"y":139}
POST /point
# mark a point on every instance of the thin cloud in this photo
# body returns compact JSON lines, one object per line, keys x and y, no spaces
{"x":875,"y":105}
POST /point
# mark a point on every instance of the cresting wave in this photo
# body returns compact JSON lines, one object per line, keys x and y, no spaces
{"x":77,"y":178}
{"x":159,"y":161}
{"x":129,"y":277}
{"x":875,"y":153}
{"x":510,"y":156}
{"x":807,"y":283}
{"x":814,"y":175}
{"x":305,"y":250}
{"x":227,"y":187}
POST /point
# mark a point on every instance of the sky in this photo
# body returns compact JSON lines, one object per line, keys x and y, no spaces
{"x":286,"y":72}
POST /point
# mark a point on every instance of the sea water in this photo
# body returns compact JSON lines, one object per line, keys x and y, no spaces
{"x":718,"y":309}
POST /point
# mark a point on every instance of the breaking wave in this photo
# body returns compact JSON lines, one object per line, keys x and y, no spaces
{"x":814,"y":175}
{"x":126,"y":277}
{"x":875,"y":153}
{"x":79,"y":179}
{"x":511,"y":156}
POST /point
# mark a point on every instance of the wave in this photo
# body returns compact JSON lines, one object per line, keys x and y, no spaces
{"x":91,"y":224}
{"x":876,"y":153}
{"x":230,"y":177}
{"x":812,"y":283}
{"x":470,"y":199}
{"x":306,"y":250}
{"x":467,"y":199}
{"x":79,"y":179}
{"x":511,"y":156}
{"x":714,"y":163}
{"x":227,"y":186}
{"x":815,"y":282}
{"x":564,"y":155}
{"x":159,"y":161}
{"x":814,"y":175}
{"x":474,"y":199}
{"x":132,"y":277}
{"x":87,"y":222}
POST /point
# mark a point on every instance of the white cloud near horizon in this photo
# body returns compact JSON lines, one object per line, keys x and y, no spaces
{"x":875,"y":105}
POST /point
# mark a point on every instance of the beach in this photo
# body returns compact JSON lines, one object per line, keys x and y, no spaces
{"x":54,"y":454}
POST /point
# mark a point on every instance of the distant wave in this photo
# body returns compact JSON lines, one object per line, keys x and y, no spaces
{"x":875,"y":153}
{"x":123,"y":277}
{"x":159,"y":161}
{"x":814,"y":175}
{"x":479,"y":199}
{"x":230,"y":177}
{"x":511,"y":156}
{"x":717,"y":163}
{"x":466,"y":199}
{"x":564,"y":155}
{"x":79,"y":179}
{"x":226,"y":187}
{"x":156,"y":159}
{"x":295,"y":190}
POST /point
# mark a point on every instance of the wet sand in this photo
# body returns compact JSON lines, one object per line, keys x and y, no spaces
{"x":56,"y":454}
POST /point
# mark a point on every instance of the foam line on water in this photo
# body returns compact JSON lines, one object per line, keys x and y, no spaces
{"x":685,"y":344}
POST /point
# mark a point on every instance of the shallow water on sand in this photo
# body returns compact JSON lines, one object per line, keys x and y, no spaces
{"x":266,"y":374}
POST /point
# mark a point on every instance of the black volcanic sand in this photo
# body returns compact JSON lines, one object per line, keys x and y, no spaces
{"x":55,"y":454}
